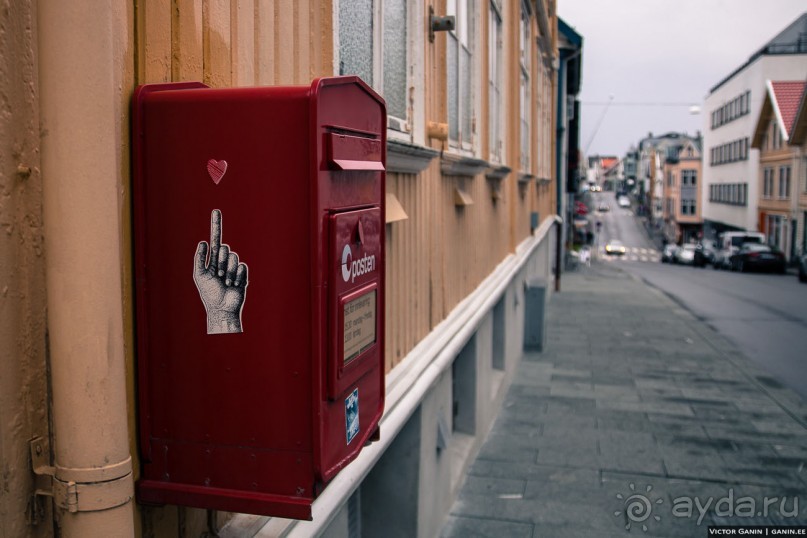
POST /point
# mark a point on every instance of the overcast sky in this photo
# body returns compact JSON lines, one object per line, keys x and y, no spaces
{"x":665,"y":52}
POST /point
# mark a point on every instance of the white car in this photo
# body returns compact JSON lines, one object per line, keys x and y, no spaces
{"x":623,"y":201}
{"x":615,"y":247}
{"x":685,"y":255}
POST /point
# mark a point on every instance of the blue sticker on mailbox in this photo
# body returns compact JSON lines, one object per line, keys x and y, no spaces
{"x":352,"y":415}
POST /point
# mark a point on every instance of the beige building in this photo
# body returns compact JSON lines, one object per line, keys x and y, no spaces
{"x":780,"y":166}
{"x":798,"y":141}
{"x":470,"y":217}
{"x":682,"y":184}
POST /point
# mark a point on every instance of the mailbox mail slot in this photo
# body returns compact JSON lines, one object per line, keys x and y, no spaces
{"x":259,"y":272}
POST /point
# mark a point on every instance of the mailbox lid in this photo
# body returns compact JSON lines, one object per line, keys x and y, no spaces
{"x":349,"y":128}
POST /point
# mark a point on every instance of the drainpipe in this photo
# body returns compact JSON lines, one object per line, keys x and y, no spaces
{"x":82,"y":48}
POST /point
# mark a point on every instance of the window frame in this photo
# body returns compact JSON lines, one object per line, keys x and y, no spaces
{"x":465,"y":25}
{"x":496,"y":140}
{"x":525,"y":93}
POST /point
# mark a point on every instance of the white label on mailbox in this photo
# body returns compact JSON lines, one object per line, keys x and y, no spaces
{"x":352,"y":268}
{"x":359,"y":330}
{"x":352,"y":415}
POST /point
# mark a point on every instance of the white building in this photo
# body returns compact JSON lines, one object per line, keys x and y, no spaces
{"x":730,"y":165}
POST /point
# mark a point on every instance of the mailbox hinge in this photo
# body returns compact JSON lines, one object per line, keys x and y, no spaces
{"x":79,"y":490}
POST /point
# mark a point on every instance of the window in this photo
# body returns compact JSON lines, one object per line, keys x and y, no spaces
{"x":374,"y":44}
{"x":495,"y":80}
{"x":767,"y":182}
{"x":356,"y":39}
{"x":525,"y":101}
{"x":784,"y":182}
{"x":459,"y":65}
{"x":688,"y":207}
{"x":731,"y":110}
{"x":670,"y":179}
{"x":804,"y":178}
{"x":777,"y":136}
{"x":395,"y":57}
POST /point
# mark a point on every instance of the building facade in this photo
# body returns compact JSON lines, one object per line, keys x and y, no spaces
{"x":471,"y":205}
{"x":653,"y":152}
{"x":570,"y":49}
{"x":798,"y":141}
{"x":681,"y":193}
{"x":731,"y":186}
{"x":780,"y":164}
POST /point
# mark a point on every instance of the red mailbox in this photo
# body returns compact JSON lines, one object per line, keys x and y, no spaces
{"x":259,"y":275}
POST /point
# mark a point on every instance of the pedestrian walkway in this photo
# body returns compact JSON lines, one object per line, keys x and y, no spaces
{"x":635,"y":420}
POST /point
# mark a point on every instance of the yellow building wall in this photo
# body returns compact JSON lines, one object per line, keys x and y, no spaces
{"x":23,"y":327}
{"x":435,"y":258}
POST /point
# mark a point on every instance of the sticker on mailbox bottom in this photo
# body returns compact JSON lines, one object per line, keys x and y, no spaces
{"x":352,"y":415}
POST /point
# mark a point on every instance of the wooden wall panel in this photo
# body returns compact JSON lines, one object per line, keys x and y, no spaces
{"x":242,"y":36}
{"x":154,"y":40}
{"x":408,"y":246}
{"x":187,"y":54}
{"x":217,"y":43}
{"x":233,"y":42}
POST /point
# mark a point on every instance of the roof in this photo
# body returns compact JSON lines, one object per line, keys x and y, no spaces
{"x":789,"y":41}
{"x":799,"y":129}
{"x":787,"y":96}
{"x":608,"y":162}
{"x":782,"y":102}
{"x":569,"y":33}
{"x":571,"y":48}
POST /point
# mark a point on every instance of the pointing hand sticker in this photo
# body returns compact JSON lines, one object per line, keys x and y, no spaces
{"x":221,"y":281}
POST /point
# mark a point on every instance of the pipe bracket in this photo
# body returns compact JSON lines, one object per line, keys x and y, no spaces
{"x":81,"y":490}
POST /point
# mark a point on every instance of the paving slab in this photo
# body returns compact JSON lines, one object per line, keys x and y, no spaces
{"x":633,"y":400}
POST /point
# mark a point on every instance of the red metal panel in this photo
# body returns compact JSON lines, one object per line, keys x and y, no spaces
{"x":232,"y":351}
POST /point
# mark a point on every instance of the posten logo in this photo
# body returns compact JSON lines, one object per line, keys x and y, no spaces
{"x":352,"y":268}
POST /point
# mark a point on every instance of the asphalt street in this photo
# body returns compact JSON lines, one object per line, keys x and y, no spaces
{"x":765,"y":315}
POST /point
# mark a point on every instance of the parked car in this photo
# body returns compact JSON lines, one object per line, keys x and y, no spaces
{"x":615,"y":246}
{"x":623,"y":201}
{"x":754,"y":256}
{"x":803,"y":268}
{"x":668,"y":253}
{"x":704,"y":253}
{"x":730,"y":242}
{"x":685,"y":255}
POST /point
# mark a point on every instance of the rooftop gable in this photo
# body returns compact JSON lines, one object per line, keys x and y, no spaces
{"x":782,"y":101}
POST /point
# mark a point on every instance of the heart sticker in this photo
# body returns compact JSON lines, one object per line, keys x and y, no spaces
{"x":216,"y":169}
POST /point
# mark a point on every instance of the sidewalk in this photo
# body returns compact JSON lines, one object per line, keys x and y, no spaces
{"x":635,"y":414}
